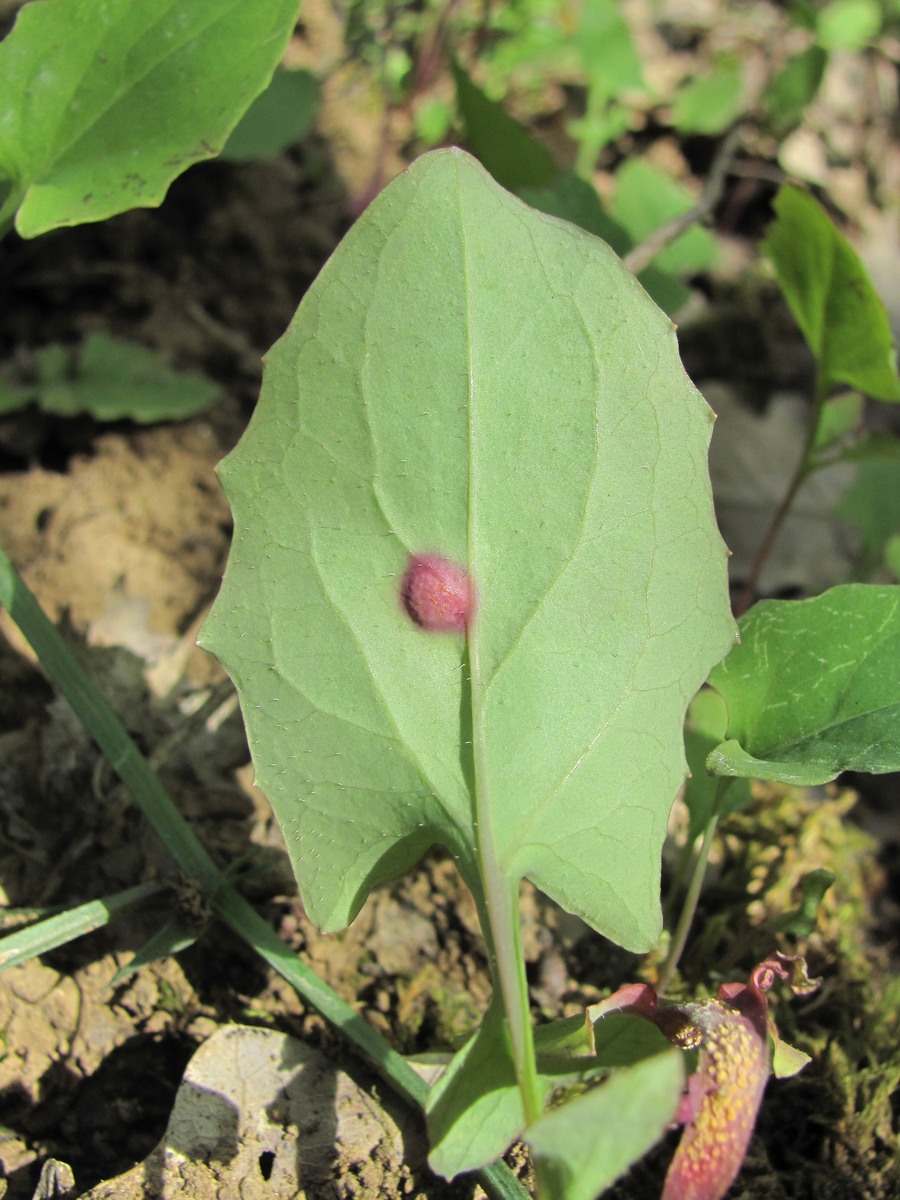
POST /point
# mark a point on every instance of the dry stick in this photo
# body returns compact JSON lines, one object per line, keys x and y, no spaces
{"x":638,"y":258}
{"x":748,"y":591}
{"x":801,"y":471}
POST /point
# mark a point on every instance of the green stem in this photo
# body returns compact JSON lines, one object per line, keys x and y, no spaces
{"x":63,"y":928}
{"x":689,"y":908}
{"x":677,"y":885}
{"x":501,"y":910}
{"x":160,"y":810}
{"x":803,"y":468}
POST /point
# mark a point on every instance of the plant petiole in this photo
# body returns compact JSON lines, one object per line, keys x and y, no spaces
{"x":689,"y":908}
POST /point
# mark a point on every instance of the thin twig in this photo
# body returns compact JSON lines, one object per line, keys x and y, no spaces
{"x":638,"y":258}
{"x":801,"y":472}
{"x":748,"y":591}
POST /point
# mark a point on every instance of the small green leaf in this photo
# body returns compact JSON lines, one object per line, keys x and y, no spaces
{"x":432,"y":121}
{"x":813,"y":688}
{"x":705,"y":728}
{"x":13,"y":398}
{"x":585,"y":1144}
{"x":281,"y":115}
{"x":802,"y":921}
{"x":794,"y":87}
{"x":112,"y":380}
{"x":607,"y":50}
{"x":622,"y":1039}
{"x":572,"y":198}
{"x":873,"y":447}
{"x":787,"y":1060}
{"x":501,"y":144}
{"x":710,"y":102}
{"x":832,"y":299}
{"x":520,"y":163}
{"x":567,"y":1036}
{"x":585,"y":1050}
{"x":872,"y":504}
{"x":103,"y":105}
{"x":848,"y":24}
{"x":645,"y":199}
{"x":892,"y":555}
{"x":474,"y":1110}
{"x":838,"y":417}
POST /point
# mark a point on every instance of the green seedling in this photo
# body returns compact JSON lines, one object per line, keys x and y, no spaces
{"x":845,"y":324}
{"x":475,"y":582}
{"x":496,"y":397}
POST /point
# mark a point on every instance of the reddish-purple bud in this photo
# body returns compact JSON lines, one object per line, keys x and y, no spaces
{"x":722,"y":1099}
{"x":726,"y":1095}
{"x":437,"y":594}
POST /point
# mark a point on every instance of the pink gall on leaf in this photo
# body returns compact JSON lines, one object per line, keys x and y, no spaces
{"x":437,"y":594}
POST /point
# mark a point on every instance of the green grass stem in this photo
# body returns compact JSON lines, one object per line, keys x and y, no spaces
{"x":64,"y":927}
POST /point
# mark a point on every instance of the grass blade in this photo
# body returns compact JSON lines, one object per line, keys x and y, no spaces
{"x":56,"y":931}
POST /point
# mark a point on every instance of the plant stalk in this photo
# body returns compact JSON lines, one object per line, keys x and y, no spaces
{"x":501,"y":911}
{"x":689,"y":908}
{"x":64,"y":927}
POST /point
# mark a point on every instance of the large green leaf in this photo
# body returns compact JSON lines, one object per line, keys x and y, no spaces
{"x":832,"y":298}
{"x":103,"y":105}
{"x":813,"y":688}
{"x":472,"y":377}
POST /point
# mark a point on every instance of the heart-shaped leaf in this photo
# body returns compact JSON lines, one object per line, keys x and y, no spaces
{"x":813,"y":688}
{"x":472,"y":379}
